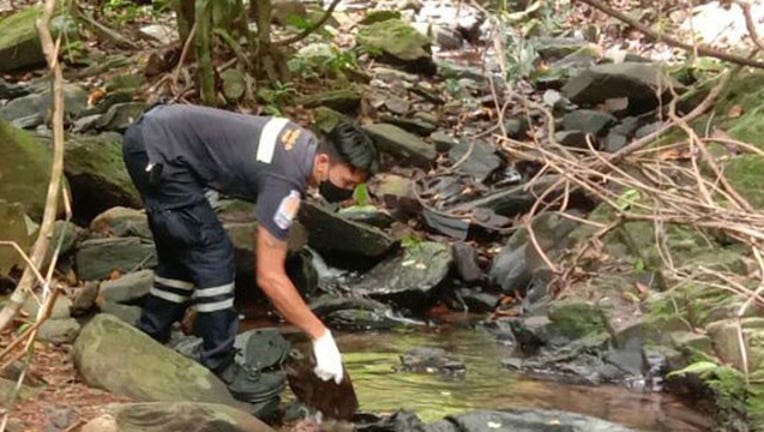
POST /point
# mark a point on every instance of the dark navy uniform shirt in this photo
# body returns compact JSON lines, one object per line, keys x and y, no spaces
{"x":267,"y":160}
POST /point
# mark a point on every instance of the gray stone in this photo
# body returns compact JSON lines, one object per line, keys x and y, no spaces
{"x":431,"y":360}
{"x":120,"y":116}
{"x":443,"y":141}
{"x":84,"y":299}
{"x":588,"y":121}
{"x":395,"y":191}
{"x":326,"y":119}
{"x":447,"y":39}
{"x":409,"y":278}
{"x":573,"y":138}
{"x":531,"y":420}
{"x":465,"y":261}
{"x":122,"y":222}
{"x":162,"y":33}
{"x":481,"y":163}
{"x":61,"y":308}
{"x":234,"y":85}
{"x":346,"y":100}
{"x":19,"y":40}
{"x":8,"y":389}
{"x":636,"y":81}
{"x":127,"y":313}
{"x":367,"y":214}
{"x":693,"y":341}
{"x":331,"y":234}
{"x":174,"y":417}
{"x":397,"y":105}
{"x":33,"y":110}
{"x":478,"y":301}
{"x":558,"y":47}
{"x":97,"y":175}
{"x":626,"y":127}
{"x":12,"y":91}
{"x":516,"y":127}
{"x":155,"y":373}
{"x":614,"y":142}
{"x":59,"y":331}
{"x":97,"y":258}
{"x":397,"y":42}
{"x":413,"y":125}
{"x":130,"y":288}
{"x":396,"y":141}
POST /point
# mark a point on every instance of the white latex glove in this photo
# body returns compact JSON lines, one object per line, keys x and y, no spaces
{"x":328,"y":358}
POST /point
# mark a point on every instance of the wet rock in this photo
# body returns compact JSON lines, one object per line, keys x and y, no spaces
{"x":396,"y":42}
{"x":400,"y":421}
{"x":647,"y":129}
{"x":120,"y":116}
{"x":25,"y":166}
{"x":346,"y":100}
{"x":34,"y":109}
{"x":526,"y":420}
{"x":465,"y":262}
{"x":627,"y":126}
{"x":452,"y":226}
{"x":121,"y":222}
{"x":354,"y":313}
{"x":156,"y":373}
{"x":14,"y":226}
{"x":97,"y":258}
{"x":326,"y":119}
{"x":368,"y":214}
{"x":397,"y":142}
{"x":575,"y":319}
{"x":12,"y":91}
{"x":431,"y":360}
{"x":555,"y":48}
{"x":725,"y":335}
{"x":19,"y":40}
{"x":174,"y":417}
{"x":636,"y":81}
{"x":234,"y":85}
{"x":127,"y":313}
{"x":443,"y":141}
{"x":328,"y":233}
{"x":588,"y":121}
{"x":516,"y":127}
{"x":413,"y":125}
{"x":84,"y":300}
{"x":393,"y":76}
{"x":97,"y":175}
{"x":130,"y":288}
{"x":59,"y":331}
{"x":481,"y":163}
{"x":692,"y":341}
{"x":478,"y":301}
{"x":410,"y":278}
{"x":68,"y":234}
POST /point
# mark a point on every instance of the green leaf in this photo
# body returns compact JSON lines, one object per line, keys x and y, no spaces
{"x":699,"y":368}
{"x":361,"y":195}
{"x":627,"y":198}
{"x":639,"y":265}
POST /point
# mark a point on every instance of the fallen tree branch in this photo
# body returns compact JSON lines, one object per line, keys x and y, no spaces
{"x":115,"y":36}
{"x":702,"y":49}
{"x":305,"y":33}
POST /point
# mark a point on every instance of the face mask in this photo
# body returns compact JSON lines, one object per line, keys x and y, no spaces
{"x":334,"y":193}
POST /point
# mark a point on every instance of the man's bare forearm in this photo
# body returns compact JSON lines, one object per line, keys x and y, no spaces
{"x":287,"y":300}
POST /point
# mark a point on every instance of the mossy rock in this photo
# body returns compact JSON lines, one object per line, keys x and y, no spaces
{"x":746,"y":174}
{"x":19,"y":41}
{"x":575,"y":319}
{"x":377,"y":16}
{"x":97,"y":175}
{"x":112,"y":355}
{"x":747,"y":92}
{"x":24,"y":169}
{"x":397,"y":42}
{"x":326,"y":119}
{"x":346,"y":100}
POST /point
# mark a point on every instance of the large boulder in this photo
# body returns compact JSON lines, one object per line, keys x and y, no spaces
{"x":332,"y":234}
{"x":98,"y":258}
{"x":397,"y":142}
{"x":14,"y":226}
{"x":638,"y":82}
{"x":397,"y":42}
{"x":524,"y":420}
{"x":128,"y":289}
{"x":112,"y":355}
{"x":97,"y":175}
{"x":24,"y":169}
{"x":174,"y":417}
{"x":410,"y":278}
{"x":35,"y":109}
{"x":19,"y":40}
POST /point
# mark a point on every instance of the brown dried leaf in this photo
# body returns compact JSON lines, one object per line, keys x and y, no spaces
{"x":735,"y":112}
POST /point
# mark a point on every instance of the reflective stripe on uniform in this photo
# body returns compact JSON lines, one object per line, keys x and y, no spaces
{"x":166,"y":295}
{"x":174,"y":283}
{"x":268,"y":137}
{"x":214,"y":291}
{"x":214,"y":307}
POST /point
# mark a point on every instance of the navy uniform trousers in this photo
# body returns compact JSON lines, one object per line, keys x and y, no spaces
{"x":195,"y":255}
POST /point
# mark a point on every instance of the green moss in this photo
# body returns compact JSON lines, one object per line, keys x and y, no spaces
{"x":376,"y":16}
{"x":24,"y":169}
{"x":747,"y":92}
{"x":746,"y":174}
{"x":396,"y":38}
{"x":576,"y":319}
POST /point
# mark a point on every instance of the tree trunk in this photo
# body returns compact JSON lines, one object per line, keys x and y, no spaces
{"x":184,"y":12}
{"x":271,"y":62}
{"x":206,"y":75}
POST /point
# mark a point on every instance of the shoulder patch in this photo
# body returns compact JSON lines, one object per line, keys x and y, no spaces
{"x":289,"y":138}
{"x":287,"y":210}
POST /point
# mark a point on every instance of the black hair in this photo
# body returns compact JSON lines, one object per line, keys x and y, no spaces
{"x":349,"y":144}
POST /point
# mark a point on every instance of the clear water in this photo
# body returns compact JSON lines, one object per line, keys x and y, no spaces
{"x":371,"y":358}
